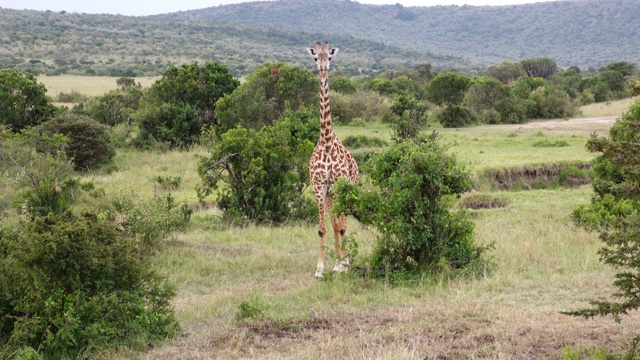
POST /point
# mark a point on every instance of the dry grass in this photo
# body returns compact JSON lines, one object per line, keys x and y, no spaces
{"x":607,"y":109}
{"x":85,"y":85}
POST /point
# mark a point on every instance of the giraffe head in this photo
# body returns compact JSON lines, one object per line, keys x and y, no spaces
{"x":323,"y":56}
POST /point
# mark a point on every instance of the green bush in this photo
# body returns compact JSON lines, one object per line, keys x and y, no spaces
{"x":408,"y":201}
{"x":261,"y":176}
{"x":89,"y":141}
{"x":115,"y":107}
{"x":72,"y":284}
{"x":454,"y":116}
{"x":176,"y":125}
{"x":41,"y":182}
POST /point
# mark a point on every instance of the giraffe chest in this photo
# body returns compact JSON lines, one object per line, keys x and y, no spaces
{"x":326,"y":166}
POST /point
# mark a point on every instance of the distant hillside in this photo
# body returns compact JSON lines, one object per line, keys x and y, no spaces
{"x":584,"y":33}
{"x":53,"y":43}
{"x":587,"y":33}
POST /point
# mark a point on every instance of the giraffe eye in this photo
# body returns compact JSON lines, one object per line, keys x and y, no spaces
{"x":316,"y":58}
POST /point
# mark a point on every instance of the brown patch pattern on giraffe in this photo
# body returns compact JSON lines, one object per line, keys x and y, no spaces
{"x":329,"y":161}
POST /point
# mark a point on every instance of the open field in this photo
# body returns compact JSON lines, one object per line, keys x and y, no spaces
{"x":543,"y":265}
{"x":86,"y":85}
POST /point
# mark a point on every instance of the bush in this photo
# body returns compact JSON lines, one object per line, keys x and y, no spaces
{"x":89,"y":141}
{"x":454,"y":116}
{"x":115,"y":107}
{"x":41,"y":182}
{"x":369,"y":105}
{"x":410,"y":118}
{"x":261,"y":176}
{"x":408,"y":202}
{"x":72,"y":284}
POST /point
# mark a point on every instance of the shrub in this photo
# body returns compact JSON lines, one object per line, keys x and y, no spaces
{"x":369,"y":105}
{"x":73,"y":284}
{"x":41,"y":182}
{"x":115,"y":107}
{"x":260,"y":176}
{"x":408,"y":201}
{"x":410,"y":118}
{"x":177,"y":126}
{"x":89,"y":141}
{"x":454,"y":116}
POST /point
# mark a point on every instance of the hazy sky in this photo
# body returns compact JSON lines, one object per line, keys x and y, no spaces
{"x":151,"y":7}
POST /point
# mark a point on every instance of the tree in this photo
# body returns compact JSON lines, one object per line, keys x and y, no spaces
{"x":266,"y":94}
{"x":540,"y":67}
{"x":447,"y":88}
{"x":343,"y":85}
{"x":23,"y":101}
{"x":409,"y":118}
{"x":181,"y":102}
{"x":615,"y":212}
{"x":491,"y":101}
{"x":115,"y":107}
{"x":506,"y":71}
{"x":614,"y":80}
{"x":623,"y":67}
{"x":198,"y":87}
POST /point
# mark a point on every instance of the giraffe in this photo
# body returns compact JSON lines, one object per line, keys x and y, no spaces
{"x":329,"y":161}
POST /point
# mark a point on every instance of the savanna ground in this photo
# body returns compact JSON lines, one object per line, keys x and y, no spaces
{"x":250,"y":292}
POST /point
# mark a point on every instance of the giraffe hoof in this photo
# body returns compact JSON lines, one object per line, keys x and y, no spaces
{"x":342,"y":266}
{"x":318,"y":275}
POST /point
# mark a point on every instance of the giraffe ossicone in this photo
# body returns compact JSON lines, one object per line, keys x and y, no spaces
{"x":329,"y":161}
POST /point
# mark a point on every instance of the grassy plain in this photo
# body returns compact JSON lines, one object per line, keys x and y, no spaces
{"x":250,"y":292}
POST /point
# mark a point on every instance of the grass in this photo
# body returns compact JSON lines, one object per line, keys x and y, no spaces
{"x":85,"y":85}
{"x":607,"y":109}
{"x":250,"y":293}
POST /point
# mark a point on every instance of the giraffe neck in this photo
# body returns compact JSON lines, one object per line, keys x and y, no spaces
{"x":326,"y":132}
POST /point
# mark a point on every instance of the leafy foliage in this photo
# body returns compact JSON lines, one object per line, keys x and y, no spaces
{"x":42,"y":182}
{"x":409,"y":118}
{"x":447,"y":88}
{"x":72,"y":284}
{"x":264,"y":97}
{"x":260,"y":176}
{"x":454,"y":116}
{"x":23,"y":100}
{"x":182,"y":102}
{"x":408,"y":203}
{"x":89,"y":143}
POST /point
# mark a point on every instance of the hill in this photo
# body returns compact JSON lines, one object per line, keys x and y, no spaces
{"x":53,"y":43}
{"x":584,"y":33}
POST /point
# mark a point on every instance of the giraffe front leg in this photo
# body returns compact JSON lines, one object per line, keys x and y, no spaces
{"x":322,"y":230}
{"x":339,"y":228}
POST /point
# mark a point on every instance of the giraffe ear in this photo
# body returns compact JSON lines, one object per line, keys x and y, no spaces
{"x":311,"y":51}
{"x":333,"y":51}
